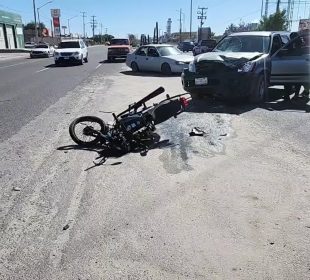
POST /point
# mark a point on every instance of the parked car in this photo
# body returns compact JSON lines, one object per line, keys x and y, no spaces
{"x":204,"y":46}
{"x":239,"y":66}
{"x":72,"y":51}
{"x":291,"y":64}
{"x":159,"y":58}
{"x":186,"y":46}
{"x":118,"y":48}
{"x":42,"y":50}
{"x":29,"y":45}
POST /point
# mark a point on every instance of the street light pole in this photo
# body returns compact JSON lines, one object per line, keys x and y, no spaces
{"x":190,"y":25}
{"x":35,"y":21}
{"x":69,"y":25}
{"x":37,"y":36}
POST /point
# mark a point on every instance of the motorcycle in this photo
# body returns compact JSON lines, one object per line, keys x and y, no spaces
{"x":133,"y":129}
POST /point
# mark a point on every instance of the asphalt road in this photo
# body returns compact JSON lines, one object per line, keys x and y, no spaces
{"x":29,"y":86}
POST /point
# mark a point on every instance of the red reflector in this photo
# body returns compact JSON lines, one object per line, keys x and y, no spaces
{"x":184,"y":102}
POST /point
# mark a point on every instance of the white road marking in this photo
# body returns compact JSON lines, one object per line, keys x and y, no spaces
{"x":7,"y":66}
{"x":44,"y":69}
{"x":98,"y":66}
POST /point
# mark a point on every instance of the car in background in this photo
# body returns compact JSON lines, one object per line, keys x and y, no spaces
{"x":291,"y":64}
{"x":71,"y":51}
{"x":29,"y":45}
{"x":118,"y":48}
{"x":186,"y":46}
{"x":239,"y":66}
{"x":204,"y":46}
{"x":162,"y":58}
{"x":42,"y":50}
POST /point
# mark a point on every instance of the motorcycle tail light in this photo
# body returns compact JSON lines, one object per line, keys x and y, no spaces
{"x":184,"y":102}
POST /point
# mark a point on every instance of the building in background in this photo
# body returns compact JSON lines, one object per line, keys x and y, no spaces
{"x":11,"y":31}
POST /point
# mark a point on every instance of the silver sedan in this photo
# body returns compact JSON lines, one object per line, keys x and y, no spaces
{"x":159,"y":58}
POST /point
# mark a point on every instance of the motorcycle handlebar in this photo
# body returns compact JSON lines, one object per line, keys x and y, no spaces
{"x":148,"y":97}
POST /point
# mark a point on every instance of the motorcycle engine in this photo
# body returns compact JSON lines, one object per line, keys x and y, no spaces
{"x":133,"y":123}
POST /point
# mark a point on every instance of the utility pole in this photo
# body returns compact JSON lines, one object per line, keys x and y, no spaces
{"x":278,"y":6}
{"x":266,"y":8}
{"x":201,"y":15}
{"x":35,"y":21}
{"x":180,"y":26}
{"x":93,"y":25}
{"x":190,"y":25}
{"x":100,"y":33}
{"x":83,"y":15}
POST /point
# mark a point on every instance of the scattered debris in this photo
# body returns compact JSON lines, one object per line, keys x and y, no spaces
{"x":196,"y":131}
{"x":66,"y":227}
{"x":271,"y":243}
{"x":16,"y":189}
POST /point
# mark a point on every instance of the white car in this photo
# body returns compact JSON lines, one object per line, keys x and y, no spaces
{"x":73,"y":51}
{"x":166,"y":59}
{"x":42,"y":50}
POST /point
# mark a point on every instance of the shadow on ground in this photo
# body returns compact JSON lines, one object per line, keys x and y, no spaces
{"x":112,"y":61}
{"x":275,"y":103}
{"x":109,"y":153}
{"x":53,"y":65}
{"x":149,"y":74}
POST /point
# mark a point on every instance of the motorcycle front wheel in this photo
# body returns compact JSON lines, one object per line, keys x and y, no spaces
{"x":85,"y":131}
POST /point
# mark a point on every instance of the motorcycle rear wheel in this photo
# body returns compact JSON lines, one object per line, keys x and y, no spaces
{"x":90,"y":135}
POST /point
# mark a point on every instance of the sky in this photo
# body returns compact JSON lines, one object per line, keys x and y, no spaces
{"x":121,"y":17}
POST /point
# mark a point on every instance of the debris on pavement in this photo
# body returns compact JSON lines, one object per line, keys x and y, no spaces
{"x":196,"y":131}
{"x":16,"y":189}
{"x":66,"y":227}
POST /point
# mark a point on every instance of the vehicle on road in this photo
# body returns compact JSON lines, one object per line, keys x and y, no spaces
{"x":118,"y":48}
{"x":42,"y":50}
{"x":204,"y":46}
{"x":29,"y":45}
{"x":71,"y":51}
{"x":186,"y":46}
{"x":239,"y":66}
{"x":162,"y":58}
{"x":291,"y":64}
{"x":133,"y":129}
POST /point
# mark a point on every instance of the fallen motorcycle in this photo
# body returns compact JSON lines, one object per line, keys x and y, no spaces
{"x":133,"y":128}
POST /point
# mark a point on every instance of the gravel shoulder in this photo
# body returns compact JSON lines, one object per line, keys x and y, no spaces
{"x":233,"y":204}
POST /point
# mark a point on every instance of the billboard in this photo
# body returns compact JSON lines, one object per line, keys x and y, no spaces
{"x":55,"y":13}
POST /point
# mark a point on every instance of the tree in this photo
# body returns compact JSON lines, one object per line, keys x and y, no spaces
{"x":133,"y":40}
{"x":276,"y":21}
{"x":103,"y":38}
{"x":31,"y":26}
{"x":241,"y":27}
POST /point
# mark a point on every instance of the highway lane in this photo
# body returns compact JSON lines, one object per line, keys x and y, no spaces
{"x":29,"y":86}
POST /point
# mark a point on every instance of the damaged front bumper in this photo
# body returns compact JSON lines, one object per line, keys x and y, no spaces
{"x":226,"y":85}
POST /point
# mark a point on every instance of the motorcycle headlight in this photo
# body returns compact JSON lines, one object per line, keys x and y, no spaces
{"x":192,"y":67}
{"x":247,"y":67}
